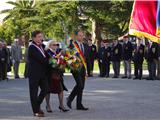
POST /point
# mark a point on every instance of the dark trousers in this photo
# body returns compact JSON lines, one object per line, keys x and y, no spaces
{"x":36,"y":100}
{"x":78,"y":89}
{"x":16,"y":68}
{"x":116,"y":68}
{"x":100,"y":67}
{"x":138,"y":69}
{"x":107,"y":68}
{"x":3,"y":70}
{"x":26,"y":70}
{"x":152,"y":69}
{"x":90,"y":66}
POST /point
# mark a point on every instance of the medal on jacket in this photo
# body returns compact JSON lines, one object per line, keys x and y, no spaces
{"x":153,"y":50}
{"x":116,"y":51}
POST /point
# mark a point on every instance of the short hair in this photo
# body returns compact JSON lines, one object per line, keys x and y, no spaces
{"x":77,"y":31}
{"x":35,"y":33}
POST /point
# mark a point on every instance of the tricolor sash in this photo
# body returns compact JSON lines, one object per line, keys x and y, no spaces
{"x":80,"y":54}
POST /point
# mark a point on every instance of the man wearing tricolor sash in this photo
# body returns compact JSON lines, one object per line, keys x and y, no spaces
{"x":79,"y":76}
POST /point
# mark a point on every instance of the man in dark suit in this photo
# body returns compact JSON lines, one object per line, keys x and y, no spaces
{"x":127,"y":56}
{"x":116,"y":57}
{"x":107,"y":59}
{"x":3,"y":62}
{"x":78,"y":76}
{"x":138,"y":58}
{"x":92,"y":53}
{"x":151,"y":57}
{"x":37,"y":73}
{"x":101,"y":59}
{"x":158,"y":63}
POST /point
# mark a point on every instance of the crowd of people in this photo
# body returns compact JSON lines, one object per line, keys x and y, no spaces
{"x":107,"y":53}
{"x":128,"y":52}
{"x":50,"y":80}
{"x":10,"y":57}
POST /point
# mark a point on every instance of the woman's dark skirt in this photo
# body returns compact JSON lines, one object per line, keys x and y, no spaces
{"x":56,"y":84}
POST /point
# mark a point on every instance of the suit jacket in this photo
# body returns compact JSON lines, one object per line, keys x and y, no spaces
{"x":152,"y":52}
{"x":37,"y":63}
{"x":108,"y":54}
{"x":92,"y":52}
{"x":116,"y":53}
{"x":138,"y":53}
{"x":16,"y":52}
{"x":3,"y":56}
{"x":127,"y":51}
{"x":85,"y":54}
{"x":101,"y":54}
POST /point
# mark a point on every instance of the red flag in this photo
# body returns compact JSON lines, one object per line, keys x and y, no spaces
{"x":143,"y":20}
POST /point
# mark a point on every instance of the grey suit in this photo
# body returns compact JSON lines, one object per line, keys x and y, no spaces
{"x":16,"y":53}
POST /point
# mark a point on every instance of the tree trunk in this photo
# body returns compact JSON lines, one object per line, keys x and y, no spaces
{"x":98,"y":33}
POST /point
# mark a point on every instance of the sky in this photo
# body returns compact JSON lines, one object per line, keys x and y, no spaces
{"x":4,"y":5}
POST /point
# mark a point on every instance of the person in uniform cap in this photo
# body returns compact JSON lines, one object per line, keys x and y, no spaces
{"x":138,"y":58}
{"x":92,"y":53}
{"x":127,"y":56}
{"x":116,"y":57}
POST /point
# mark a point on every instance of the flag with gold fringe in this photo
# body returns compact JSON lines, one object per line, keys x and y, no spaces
{"x":145,"y":20}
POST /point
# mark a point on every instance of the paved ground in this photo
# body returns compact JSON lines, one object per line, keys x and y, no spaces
{"x":108,"y":99}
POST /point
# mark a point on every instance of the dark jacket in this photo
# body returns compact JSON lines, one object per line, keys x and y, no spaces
{"x":37,"y":63}
{"x":151,"y":53}
{"x":108,"y":54}
{"x":71,"y":46}
{"x":3,"y":56}
{"x":101,"y":54}
{"x":116,"y":55}
{"x":138,"y":53}
{"x":127,"y":51}
{"x":92,"y":52}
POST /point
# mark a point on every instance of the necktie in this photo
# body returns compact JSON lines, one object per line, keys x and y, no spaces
{"x":82,"y":48}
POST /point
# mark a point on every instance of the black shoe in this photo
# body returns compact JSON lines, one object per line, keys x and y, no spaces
{"x":63,"y":109}
{"x":114,"y":77}
{"x":69,"y":103}
{"x":48,"y":109}
{"x":107,"y":76}
{"x":135,"y":78}
{"x":17,"y":77}
{"x":38,"y":115}
{"x":124,"y":77}
{"x":82,"y":108}
{"x":129,"y":77}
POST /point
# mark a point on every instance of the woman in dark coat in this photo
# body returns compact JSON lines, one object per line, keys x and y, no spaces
{"x":55,"y":79}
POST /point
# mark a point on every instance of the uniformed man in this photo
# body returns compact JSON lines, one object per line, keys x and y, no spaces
{"x":116,"y":57}
{"x":107,"y":59}
{"x":101,"y":63}
{"x":127,"y":56}
{"x":152,"y":57}
{"x":92,"y":54}
{"x":138,"y":58}
{"x":158,"y":63}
